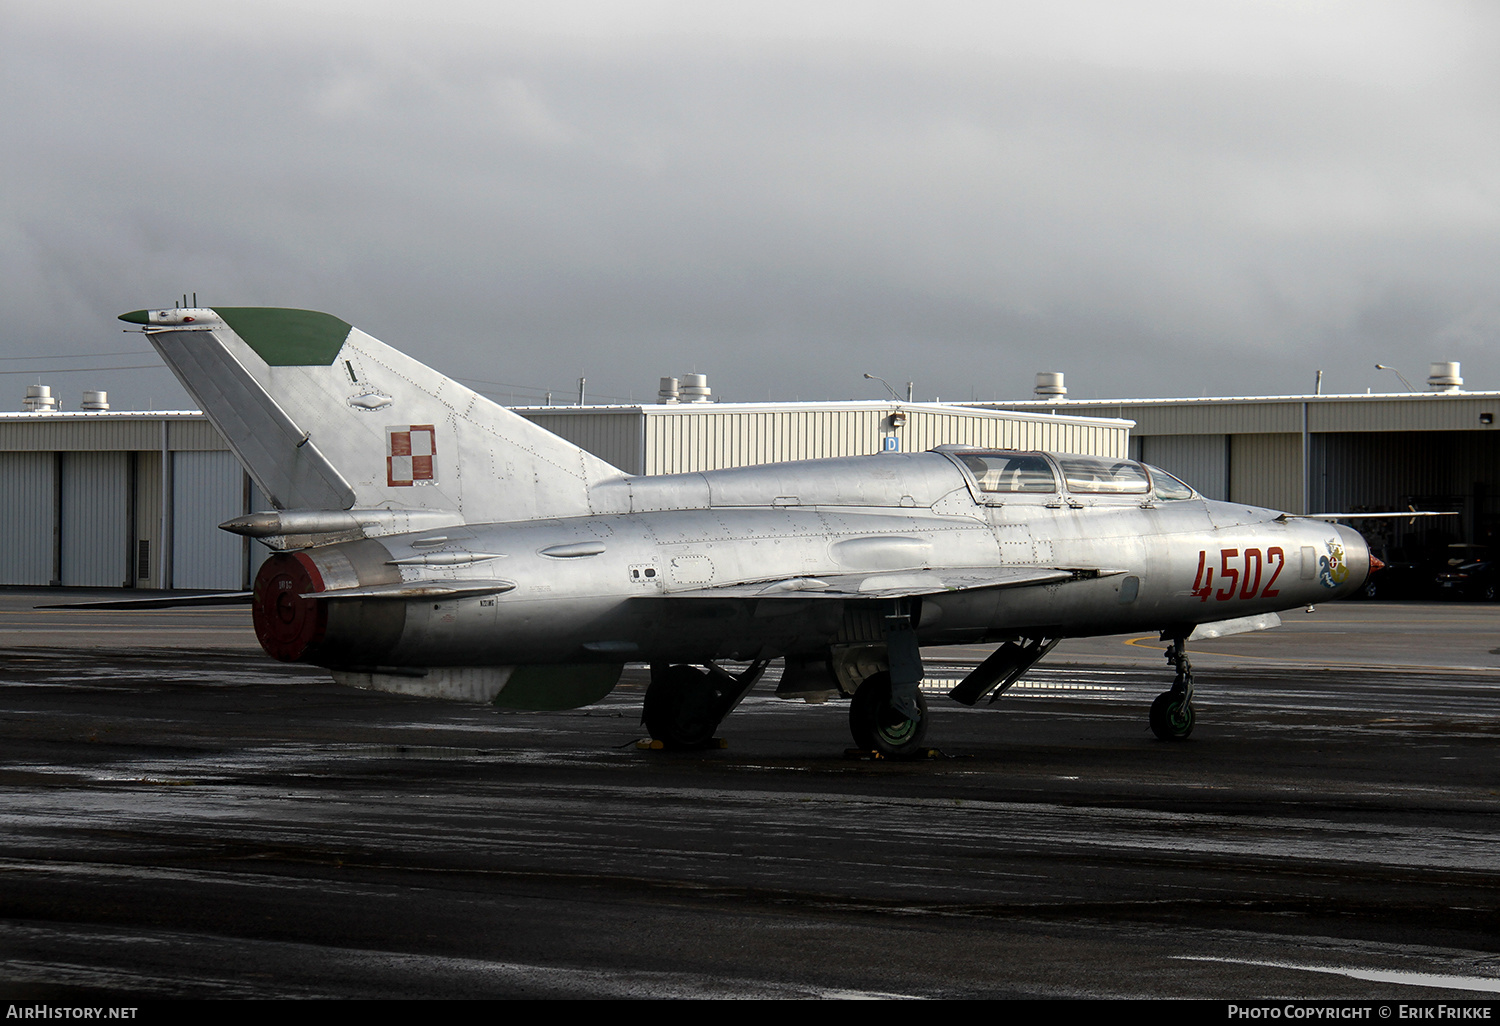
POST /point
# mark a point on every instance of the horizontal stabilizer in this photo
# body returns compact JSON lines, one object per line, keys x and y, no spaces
{"x":1332,"y":517}
{"x":220,"y":598}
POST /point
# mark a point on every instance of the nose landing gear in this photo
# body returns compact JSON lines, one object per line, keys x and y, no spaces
{"x":1172,"y":712}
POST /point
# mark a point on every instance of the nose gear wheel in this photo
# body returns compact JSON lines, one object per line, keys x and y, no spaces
{"x":1172,"y":712}
{"x":1171,"y":717}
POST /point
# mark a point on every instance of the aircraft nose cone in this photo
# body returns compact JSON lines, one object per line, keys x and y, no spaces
{"x":1375,"y":564}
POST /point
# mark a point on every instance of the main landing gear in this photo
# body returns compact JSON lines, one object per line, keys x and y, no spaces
{"x":1172,"y":712}
{"x":881,"y":724}
{"x":888,"y":715}
{"x":685,"y":705}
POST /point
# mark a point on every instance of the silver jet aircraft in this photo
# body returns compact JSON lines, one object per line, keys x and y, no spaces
{"x":428,"y":541}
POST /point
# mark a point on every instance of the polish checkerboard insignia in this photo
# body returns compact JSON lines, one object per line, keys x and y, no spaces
{"x":411,"y":455}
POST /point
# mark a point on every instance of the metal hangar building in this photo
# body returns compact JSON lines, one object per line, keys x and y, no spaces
{"x":1437,"y":450}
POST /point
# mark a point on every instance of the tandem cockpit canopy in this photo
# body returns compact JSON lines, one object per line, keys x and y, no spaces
{"x":1010,"y":472}
{"x":999,"y":472}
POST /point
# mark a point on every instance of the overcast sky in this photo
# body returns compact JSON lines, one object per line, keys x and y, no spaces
{"x":1157,"y":198}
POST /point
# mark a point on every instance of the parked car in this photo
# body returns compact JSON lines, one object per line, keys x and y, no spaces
{"x":1477,"y":581}
{"x":1400,"y":580}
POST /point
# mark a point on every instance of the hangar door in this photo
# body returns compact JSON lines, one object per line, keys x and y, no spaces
{"x":28,"y":513}
{"x":95,"y":519}
{"x":208,"y":488}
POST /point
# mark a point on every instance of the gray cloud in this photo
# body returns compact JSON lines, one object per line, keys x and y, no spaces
{"x":1192,"y":199}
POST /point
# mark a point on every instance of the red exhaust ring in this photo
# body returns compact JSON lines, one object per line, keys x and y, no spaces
{"x":286,"y":624}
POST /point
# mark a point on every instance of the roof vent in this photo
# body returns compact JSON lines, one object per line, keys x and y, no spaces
{"x":667,"y":394}
{"x":695,"y":389}
{"x":95,"y":400}
{"x":1049,"y":385}
{"x":39,"y":399}
{"x":1443,"y":377}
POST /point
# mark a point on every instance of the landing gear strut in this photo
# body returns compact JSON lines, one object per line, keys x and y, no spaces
{"x":685,"y":705}
{"x":888,"y":714}
{"x":879,"y":725}
{"x":1006,"y":665}
{"x":1172,"y":712}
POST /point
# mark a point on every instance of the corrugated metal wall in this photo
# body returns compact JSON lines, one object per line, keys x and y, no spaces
{"x":615,"y":436}
{"x":79,"y":433}
{"x":1200,"y":460}
{"x":208,"y":488}
{"x":1418,"y":411}
{"x":81,"y":503}
{"x":1205,"y":418}
{"x":1429,"y":470}
{"x":147,"y":552}
{"x":258,"y":552}
{"x":1265,"y":470}
{"x":1352,"y":472}
{"x":688,"y":438}
{"x":684,"y":441}
{"x":108,"y":529}
{"x":108,"y":432}
{"x":927,"y":429}
{"x":95,"y":519}
{"x":1377,"y":454}
{"x":28,"y":517}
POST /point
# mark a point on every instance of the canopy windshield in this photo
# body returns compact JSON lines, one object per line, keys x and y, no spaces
{"x":1094,"y":476}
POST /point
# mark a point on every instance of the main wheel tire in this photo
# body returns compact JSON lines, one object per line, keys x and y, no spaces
{"x":878,"y":727}
{"x":679,"y":708}
{"x":1171,"y":717}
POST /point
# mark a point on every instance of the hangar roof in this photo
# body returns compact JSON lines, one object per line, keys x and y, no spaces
{"x":1277,"y":414}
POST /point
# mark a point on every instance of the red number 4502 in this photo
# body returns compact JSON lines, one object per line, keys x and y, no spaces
{"x":1239,"y":575}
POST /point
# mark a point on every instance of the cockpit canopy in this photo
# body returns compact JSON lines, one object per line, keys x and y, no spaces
{"x":1089,"y":475}
{"x":1002,"y":472}
{"x":1010,"y":472}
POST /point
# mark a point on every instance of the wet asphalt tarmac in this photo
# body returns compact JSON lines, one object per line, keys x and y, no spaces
{"x":184,"y":818}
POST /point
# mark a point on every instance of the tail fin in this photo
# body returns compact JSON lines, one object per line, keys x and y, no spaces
{"x":325,"y":417}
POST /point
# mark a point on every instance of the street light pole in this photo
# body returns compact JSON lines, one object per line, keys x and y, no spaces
{"x":887,"y":384}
